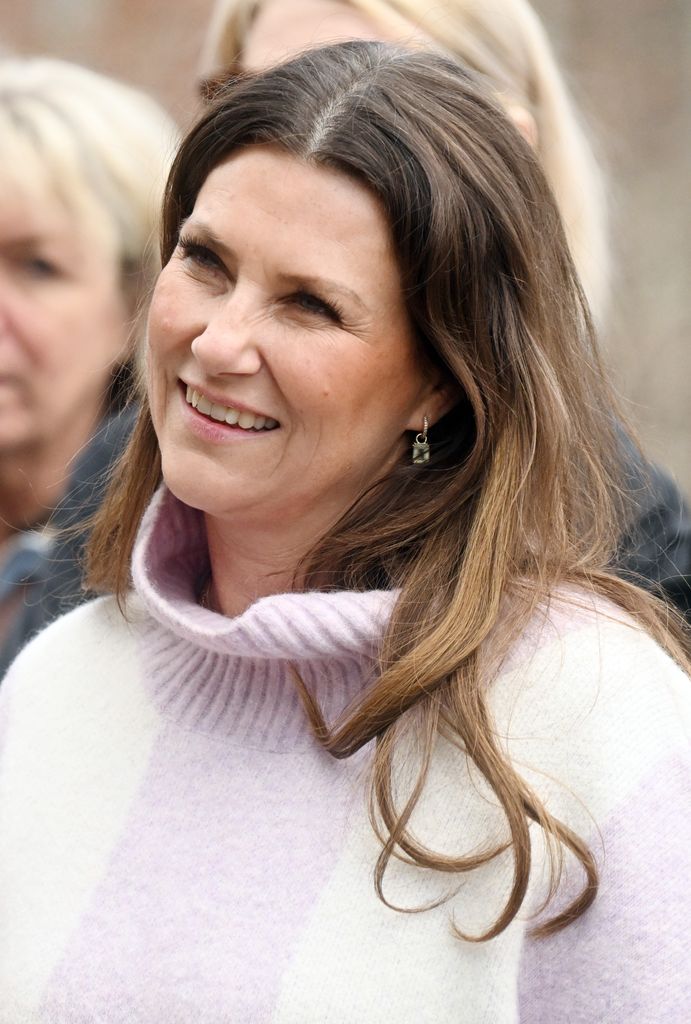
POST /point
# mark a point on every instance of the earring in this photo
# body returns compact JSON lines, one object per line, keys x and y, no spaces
{"x":421,"y":445}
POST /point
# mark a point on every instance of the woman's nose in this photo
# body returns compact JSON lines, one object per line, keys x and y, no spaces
{"x":229,"y":342}
{"x":8,"y":311}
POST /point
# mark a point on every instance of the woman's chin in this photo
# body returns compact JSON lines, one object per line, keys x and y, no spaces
{"x":195,"y":496}
{"x":222,"y":495}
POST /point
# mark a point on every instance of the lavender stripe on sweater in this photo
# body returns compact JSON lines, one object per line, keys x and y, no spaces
{"x":176,"y":846}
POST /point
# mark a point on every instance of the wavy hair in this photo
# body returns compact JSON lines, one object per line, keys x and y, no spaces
{"x":505,"y":41}
{"x":521,"y":495}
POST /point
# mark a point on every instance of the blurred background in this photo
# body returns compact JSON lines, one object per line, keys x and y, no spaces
{"x":628,"y":63}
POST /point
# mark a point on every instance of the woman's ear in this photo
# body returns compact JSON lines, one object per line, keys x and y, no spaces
{"x":438,"y":399}
{"x":526,"y":124}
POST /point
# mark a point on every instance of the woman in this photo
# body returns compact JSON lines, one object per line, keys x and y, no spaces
{"x":389,"y":503}
{"x":83,"y":161}
{"x":506,"y":43}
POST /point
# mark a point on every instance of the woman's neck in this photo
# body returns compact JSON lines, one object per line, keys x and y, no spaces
{"x":258,"y":559}
{"x":248,"y":565}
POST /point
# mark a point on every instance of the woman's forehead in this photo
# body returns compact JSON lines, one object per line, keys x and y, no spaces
{"x":35,"y":208}
{"x":282,"y":30}
{"x":293,"y":191}
{"x":301,"y":217}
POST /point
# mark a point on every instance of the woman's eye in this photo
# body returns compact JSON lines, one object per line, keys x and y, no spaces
{"x":312,"y":304}
{"x":199,"y":254}
{"x":40,"y":268}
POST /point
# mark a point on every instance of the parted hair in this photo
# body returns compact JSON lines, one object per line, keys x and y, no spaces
{"x":522,"y":493}
{"x":505,"y":41}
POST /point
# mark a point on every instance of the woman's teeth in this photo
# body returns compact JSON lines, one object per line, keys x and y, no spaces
{"x":226,"y":414}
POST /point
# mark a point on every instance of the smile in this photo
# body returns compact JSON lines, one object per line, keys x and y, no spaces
{"x":226,"y":413}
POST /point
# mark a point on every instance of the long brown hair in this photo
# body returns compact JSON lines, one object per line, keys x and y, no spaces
{"x":505,"y":42}
{"x":521,"y":494}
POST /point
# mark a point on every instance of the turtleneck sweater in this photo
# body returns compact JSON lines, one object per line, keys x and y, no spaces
{"x":175,"y":844}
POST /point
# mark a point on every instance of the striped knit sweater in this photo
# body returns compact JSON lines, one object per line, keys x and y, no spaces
{"x":176,"y":847}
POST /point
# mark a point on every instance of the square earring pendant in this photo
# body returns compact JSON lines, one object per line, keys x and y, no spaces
{"x":420,"y":452}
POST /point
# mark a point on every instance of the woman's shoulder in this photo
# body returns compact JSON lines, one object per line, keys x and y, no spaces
{"x":84,"y":629}
{"x":587,"y":696}
{"x":91,"y":642}
{"x":77,"y":686}
{"x":577,"y":632}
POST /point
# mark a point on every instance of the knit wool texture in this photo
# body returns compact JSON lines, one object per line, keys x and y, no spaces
{"x":176,"y":846}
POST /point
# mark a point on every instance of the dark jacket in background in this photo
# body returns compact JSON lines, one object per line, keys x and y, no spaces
{"x":656,"y":554}
{"x":52,"y":579}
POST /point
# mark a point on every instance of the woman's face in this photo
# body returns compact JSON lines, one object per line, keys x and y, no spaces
{"x":282,"y":30}
{"x":62,"y":325}
{"x":283,"y":372}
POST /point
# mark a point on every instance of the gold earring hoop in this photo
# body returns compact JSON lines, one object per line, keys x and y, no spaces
{"x":421,"y":445}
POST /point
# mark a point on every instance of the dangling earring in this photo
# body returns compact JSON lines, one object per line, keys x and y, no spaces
{"x":421,"y":445}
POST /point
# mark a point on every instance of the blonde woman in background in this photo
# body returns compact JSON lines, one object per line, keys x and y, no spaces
{"x":505,"y":42}
{"x":82,"y":163}
{"x":502,"y":39}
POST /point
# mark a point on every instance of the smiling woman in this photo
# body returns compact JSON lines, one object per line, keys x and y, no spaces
{"x":362,"y":263}
{"x":505,"y":42}
{"x":291,"y":311}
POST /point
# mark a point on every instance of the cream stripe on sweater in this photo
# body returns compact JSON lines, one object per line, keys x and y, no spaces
{"x":175,"y":846}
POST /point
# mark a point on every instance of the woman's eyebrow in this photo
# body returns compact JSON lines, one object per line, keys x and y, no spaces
{"x":206,"y":234}
{"x":313,"y":282}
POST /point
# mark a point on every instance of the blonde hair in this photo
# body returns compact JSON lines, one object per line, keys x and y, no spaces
{"x":100,"y":147}
{"x":504,"y":41}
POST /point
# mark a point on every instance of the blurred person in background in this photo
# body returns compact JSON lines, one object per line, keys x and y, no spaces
{"x":82,"y":163}
{"x":506,"y":43}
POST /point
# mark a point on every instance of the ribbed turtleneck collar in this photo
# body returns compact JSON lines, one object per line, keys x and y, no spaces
{"x":230,"y":674}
